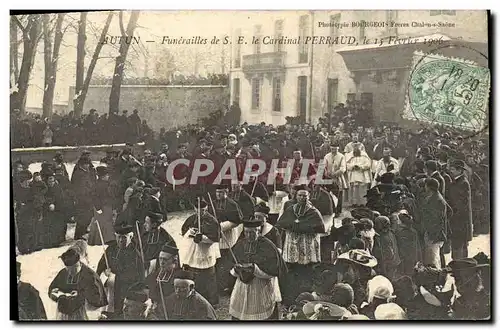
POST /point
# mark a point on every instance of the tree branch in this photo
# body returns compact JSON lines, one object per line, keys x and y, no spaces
{"x":18,"y":23}
{"x":122,"y":28}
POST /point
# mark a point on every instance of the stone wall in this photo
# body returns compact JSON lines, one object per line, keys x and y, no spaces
{"x":161,"y":106}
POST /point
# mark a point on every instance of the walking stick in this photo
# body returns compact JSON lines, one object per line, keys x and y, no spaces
{"x":221,"y":233}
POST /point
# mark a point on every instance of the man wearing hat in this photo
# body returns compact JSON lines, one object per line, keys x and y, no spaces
{"x":261,"y":214}
{"x":153,"y":239}
{"x":202,"y":234}
{"x":461,"y":218}
{"x":84,"y":159}
{"x":431,"y":167}
{"x":75,"y":287}
{"x":122,"y":266}
{"x":47,"y":168}
{"x":218,"y":158}
{"x":186,"y":303}
{"x":257,"y":267}
{"x":474,"y":302}
{"x":229,"y":216}
{"x":298,"y":165}
{"x":335,"y":166}
{"x":29,"y":303}
{"x":104,"y":201}
{"x":242,"y":198}
{"x":135,"y":306}
{"x":303,"y":226}
{"x":434,"y":223}
{"x":22,"y":197}
{"x":155,"y":205}
{"x":160,"y":282}
{"x":58,"y":160}
{"x":256,"y":189}
{"x":55,"y":214}
{"x":324,"y":202}
{"x":83,"y":182}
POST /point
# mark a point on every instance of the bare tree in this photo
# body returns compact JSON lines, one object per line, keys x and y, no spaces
{"x":14,"y":51}
{"x":82,"y":86}
{"x":114,"y":97}
{"x":51,"y":57}
{"x":31,"y":33}
{"x":80,"y":61}
{"x":165,"y":65}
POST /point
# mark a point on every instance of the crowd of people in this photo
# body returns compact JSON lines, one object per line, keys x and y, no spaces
{"x":401,"y":200}
{"x":30,"y":130}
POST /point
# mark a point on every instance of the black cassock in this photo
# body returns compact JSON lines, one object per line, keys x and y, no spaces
{"x":165,"y":278}
{"x":245,"y":202}
{"x":89,"y":288}
{"x":29,"y":303}
{"x":195,"y":307}
{"x":152,"y":243}
{"x":127,"y":265}
{"x":55,"y":221}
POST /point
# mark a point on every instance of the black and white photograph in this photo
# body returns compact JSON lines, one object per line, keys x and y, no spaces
{"x":272,"y":165}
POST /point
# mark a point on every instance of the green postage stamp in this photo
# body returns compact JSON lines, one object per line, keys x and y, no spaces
{"x":448,"y":91}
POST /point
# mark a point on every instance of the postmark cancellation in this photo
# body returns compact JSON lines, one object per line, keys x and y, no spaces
{"x":448,"y":91}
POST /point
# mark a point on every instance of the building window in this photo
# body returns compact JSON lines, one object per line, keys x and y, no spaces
{"x":236,"y":90}
{"x":278,"y":33}
{"x":303,"y":32}
{"x":302,"y":98}
{"x":277,"y":94}
{"x":334,"y":30}
{"x":392,"y":16}
{"x":362,"y":30}
{"x":237,"y":53}
{"x":255,"y":93}
{"x":332,"y":94}
{"x":257,"y":33}
{"x":443,"y":12}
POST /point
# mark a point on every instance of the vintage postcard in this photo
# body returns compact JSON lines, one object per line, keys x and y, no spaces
{"x":250,"y":165}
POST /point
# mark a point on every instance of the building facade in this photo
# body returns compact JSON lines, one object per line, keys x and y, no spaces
{"x":272,"y":80}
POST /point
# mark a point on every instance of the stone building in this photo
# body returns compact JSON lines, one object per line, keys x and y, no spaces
{"x":307,"y":74}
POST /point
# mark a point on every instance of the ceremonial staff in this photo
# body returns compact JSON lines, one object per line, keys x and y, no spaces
{"x":110,"y":283}
{"x":140,"y":247}
{"x":253,"y":189}
{"x":221,"y":233}
{"x":163,"y":299}
{"x":312,"y":149}
{"x":199,"y":216}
